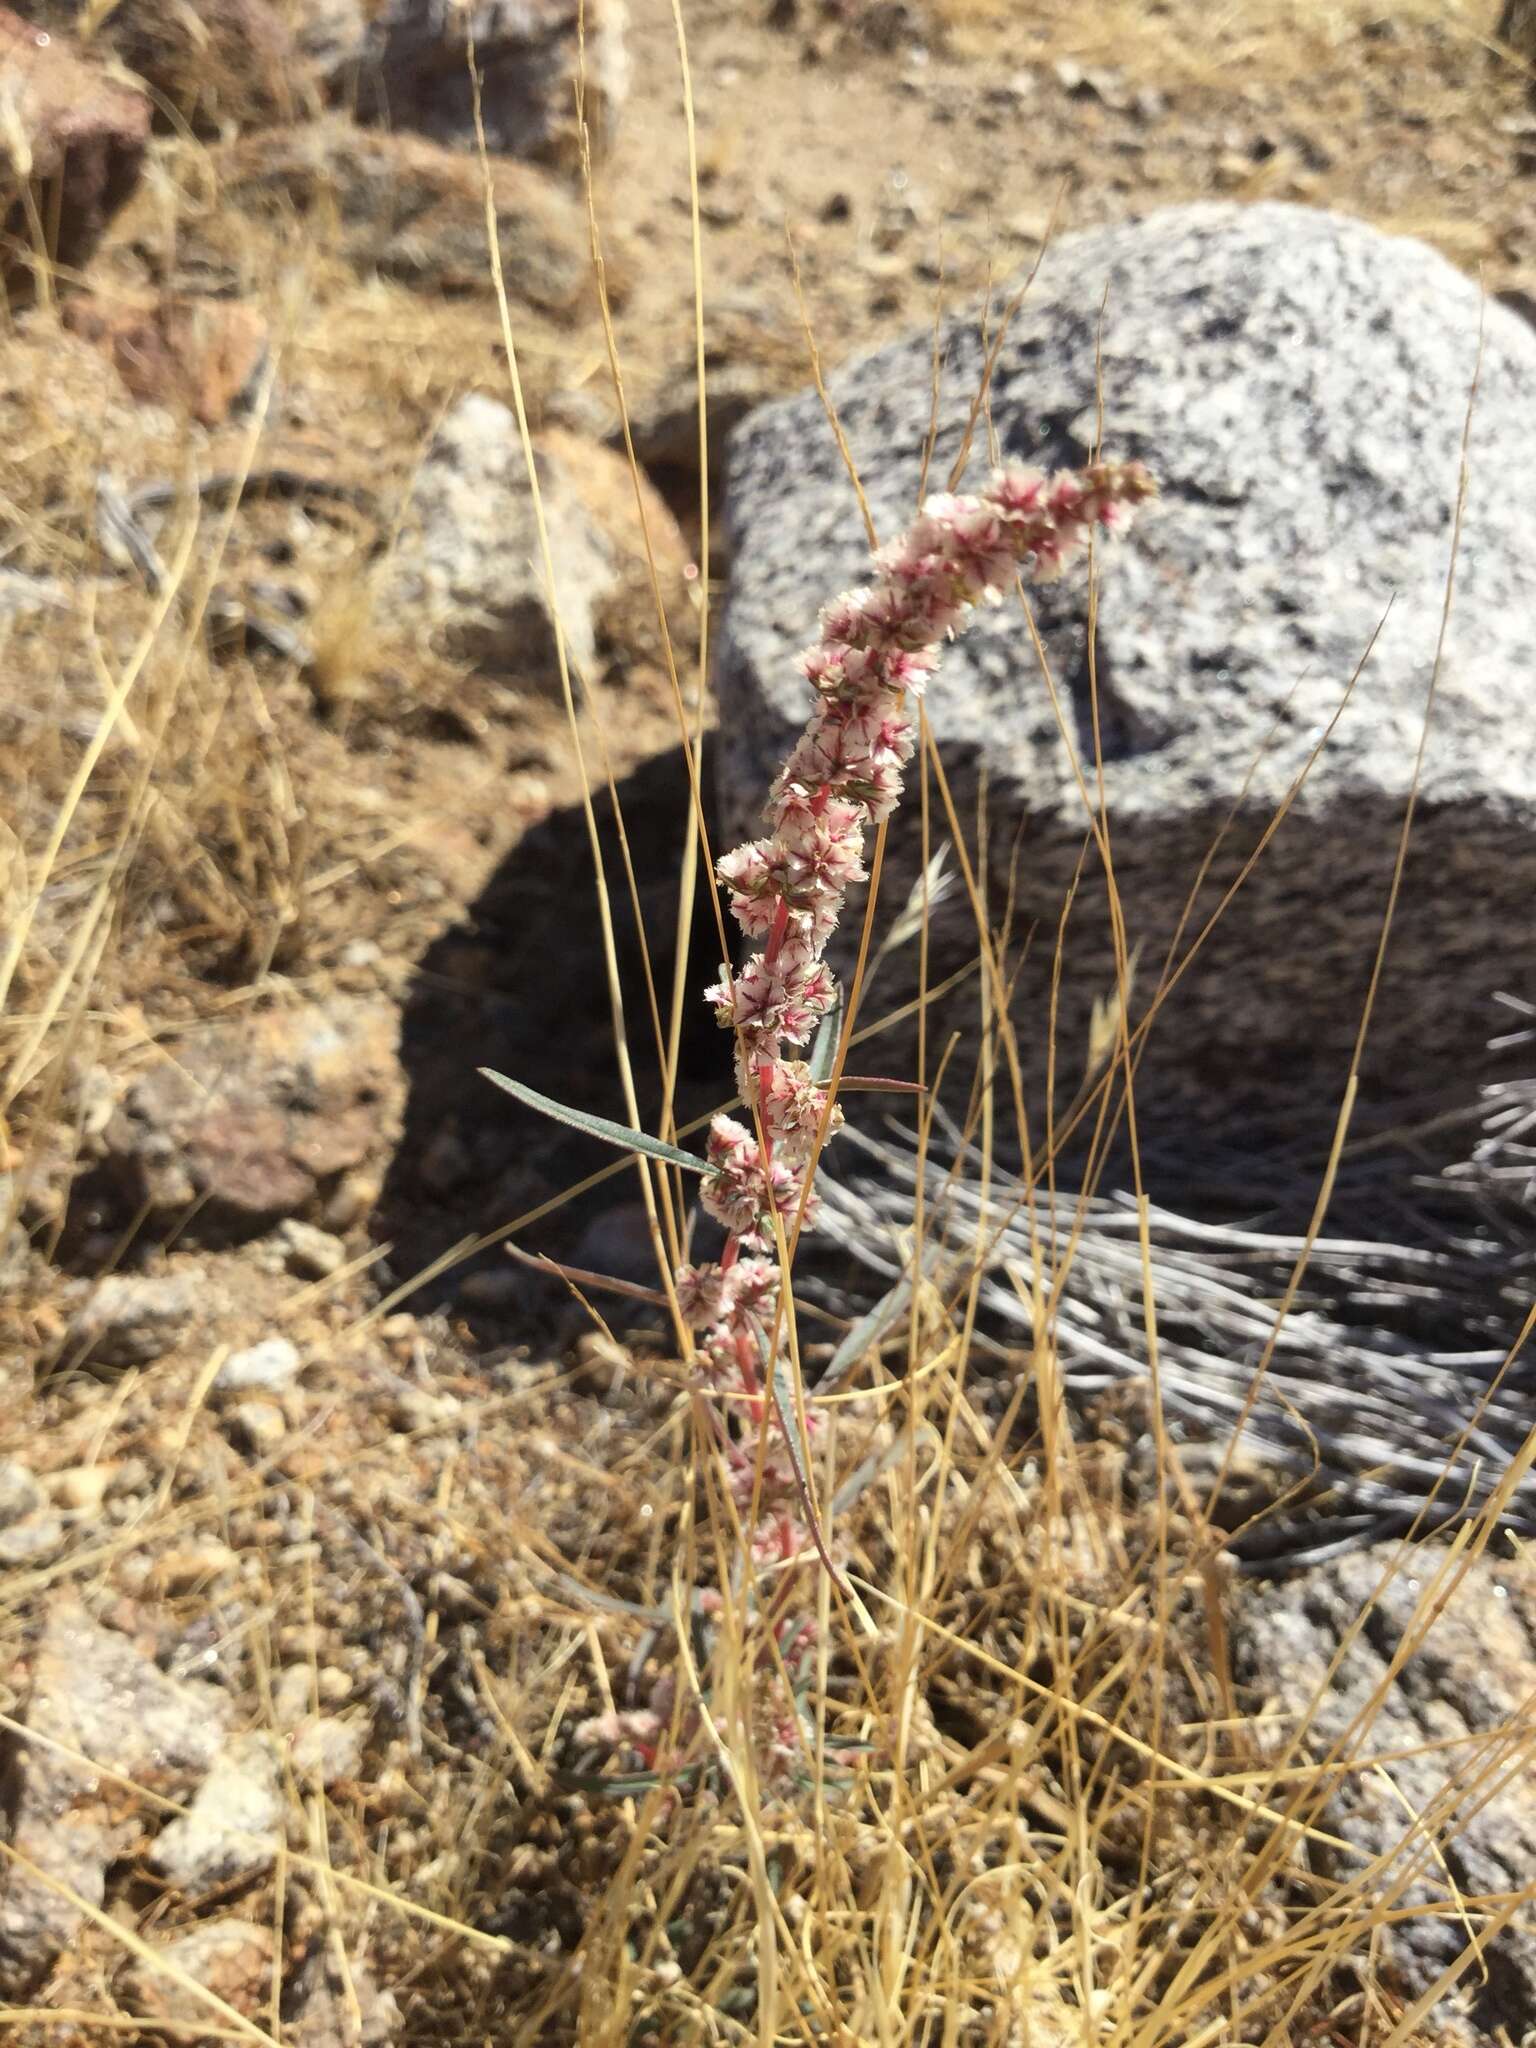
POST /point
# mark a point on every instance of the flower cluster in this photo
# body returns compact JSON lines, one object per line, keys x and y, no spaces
{"x":877,"y":649}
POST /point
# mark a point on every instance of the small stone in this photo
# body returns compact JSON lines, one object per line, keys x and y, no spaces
{"x":35,"y":1540}
{"x":333,"y":1684}
{"x":128,"y":1478}
{"x":268,"y":1366}
{"x":133,"y":1320}
{"x":323,"y":2015}
{"x":192,"y":1568}
{"x":231,"y":1958}
{"x":356,"y":1196}
{"x":405,"y":207}
{"x":467,"y":564}
{"x":492,"y":1288}
{"x":20,"y":1494}
{"x":258,"y":1426}
{"x":292,"y":1695}
{"x":256,"y":1121}
{"x":310,"y":1251}
{"x":80,"y":1488}
{"x":326,"y":1748}
{"x":226,"y":1837}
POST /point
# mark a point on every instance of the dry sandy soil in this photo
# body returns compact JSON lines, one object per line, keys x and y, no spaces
{"x":378,"y":832}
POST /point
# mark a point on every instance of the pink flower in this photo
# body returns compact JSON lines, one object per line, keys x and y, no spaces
{"x":700,"y":1295}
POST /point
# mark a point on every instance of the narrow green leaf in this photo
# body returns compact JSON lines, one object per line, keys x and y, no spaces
{"x":866,"y":1334}
{"x":597,"y":1126}
{"x":628,"y":1786}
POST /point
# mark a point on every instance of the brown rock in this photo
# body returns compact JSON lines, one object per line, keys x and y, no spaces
{"x":639,"y":529}
{"x":1453,"y":1800}
{"x":79,"y":138}
{"x":416,"y":212}
{"x":97,"y":1696}
{"x":209,"y":64}
{"x":230,"y":1958}
{"x":529,"y":54}
{"x":201,"y":355}
{"x":258,"y":1120}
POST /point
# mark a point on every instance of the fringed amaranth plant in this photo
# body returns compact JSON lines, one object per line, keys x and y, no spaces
{"x":877,"y":649}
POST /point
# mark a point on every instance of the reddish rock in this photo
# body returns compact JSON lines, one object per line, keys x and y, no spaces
{"x":209,"y":64}
{"x":257,"y":1121}
{"x":200,"y":355}
{"x":85,"y":135}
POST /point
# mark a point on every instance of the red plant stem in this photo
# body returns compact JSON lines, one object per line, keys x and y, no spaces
{"x":776,"y":936}
{"x":744,"y":1359}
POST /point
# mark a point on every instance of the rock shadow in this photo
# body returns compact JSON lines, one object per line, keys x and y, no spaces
{"x":519,"y":984}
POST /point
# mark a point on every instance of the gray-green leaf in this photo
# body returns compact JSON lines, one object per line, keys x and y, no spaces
{"x":824,"y":1045}
{"x":597,"y":1126}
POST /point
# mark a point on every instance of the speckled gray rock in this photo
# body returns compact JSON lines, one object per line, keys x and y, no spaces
{"x":470,"y":563}
{"x":532,"y":54}
{"x":266,"y":1367}
{"x":1298,"y":382}
{"x":227,"y":1835}
{"x":94,"y":1694}
{"x":1452,"y":1727}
